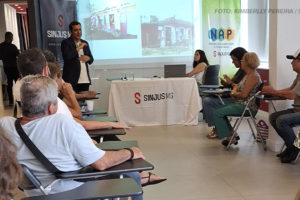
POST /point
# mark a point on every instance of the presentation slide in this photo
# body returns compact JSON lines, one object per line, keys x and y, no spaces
{"x":124,"y":29}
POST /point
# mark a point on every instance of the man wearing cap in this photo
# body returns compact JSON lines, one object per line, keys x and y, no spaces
{"x":283,"y":121}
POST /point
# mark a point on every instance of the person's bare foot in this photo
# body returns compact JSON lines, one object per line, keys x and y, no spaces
{"x":148,"y":178}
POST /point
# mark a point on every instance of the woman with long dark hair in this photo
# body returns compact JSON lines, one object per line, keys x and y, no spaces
{"x":199,"y":66}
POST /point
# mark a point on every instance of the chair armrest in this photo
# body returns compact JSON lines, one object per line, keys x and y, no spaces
{"x":271,"y":97}
{"x":109,"y":131}
{"x":104,"y":189}
{"x":85,"y":92}
{"x":33,"y":179}
{"x":83,"y":99}
{"x":210,"y":86}
{"x":116,"y":145}
{"x":94,"y":112}
{"x":89,"y":172}
{"x":101,"y":119}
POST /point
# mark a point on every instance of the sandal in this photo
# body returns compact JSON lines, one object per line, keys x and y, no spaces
{"x":213,"y":134}
{"x":149,"y":182}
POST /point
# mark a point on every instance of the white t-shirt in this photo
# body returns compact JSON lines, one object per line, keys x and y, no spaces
{"x":61,"y":107}
{"x":83,"y":78}
{"x":63,"y":141}
{"x":199,"y":77}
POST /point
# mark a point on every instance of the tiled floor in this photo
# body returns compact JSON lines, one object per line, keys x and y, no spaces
{"x":199,"y":168}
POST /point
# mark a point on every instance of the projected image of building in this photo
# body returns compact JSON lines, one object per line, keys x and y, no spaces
{"x":112,"y":23}
{"x":166,"y":36}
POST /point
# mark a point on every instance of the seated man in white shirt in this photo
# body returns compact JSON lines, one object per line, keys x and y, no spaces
{"x":63,"y":141}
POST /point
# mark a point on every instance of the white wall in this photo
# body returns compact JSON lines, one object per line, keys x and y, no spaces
{"x":284,"y":30}
{"x":11,"y":23}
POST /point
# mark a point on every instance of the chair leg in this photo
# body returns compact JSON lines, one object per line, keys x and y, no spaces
{"x":252,"y":131}
{"x":297,"y":157}
{"x":235,"y":128}
{"x":282,"y":148}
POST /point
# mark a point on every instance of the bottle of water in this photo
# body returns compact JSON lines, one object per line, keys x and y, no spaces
{"x":124,"y":78}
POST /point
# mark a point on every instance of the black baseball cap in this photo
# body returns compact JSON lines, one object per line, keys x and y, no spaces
{"x":295,"y":56}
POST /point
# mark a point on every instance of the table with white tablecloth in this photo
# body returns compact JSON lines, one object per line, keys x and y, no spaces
{"x":155,"y":101}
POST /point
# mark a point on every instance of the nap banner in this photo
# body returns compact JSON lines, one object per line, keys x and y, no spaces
{"x":56,"y":15}
{"x":221,"y":32}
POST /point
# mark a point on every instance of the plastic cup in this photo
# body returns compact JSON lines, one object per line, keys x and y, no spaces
{"x":90,"y":105}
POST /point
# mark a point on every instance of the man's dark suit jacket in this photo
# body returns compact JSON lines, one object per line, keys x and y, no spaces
{"x":71,"y":70}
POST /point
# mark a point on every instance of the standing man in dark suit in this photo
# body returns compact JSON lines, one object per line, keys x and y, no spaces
{"x":77,"y":55}
{"x":8,"y":54}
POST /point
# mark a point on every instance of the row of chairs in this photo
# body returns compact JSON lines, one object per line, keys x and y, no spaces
{"x":95,"y":189}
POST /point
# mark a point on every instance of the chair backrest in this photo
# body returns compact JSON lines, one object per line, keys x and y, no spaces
{"x":17,"y":107}
{"x":211,"y":75}
{"x":30,"y":181}
{"x":259,"y":89}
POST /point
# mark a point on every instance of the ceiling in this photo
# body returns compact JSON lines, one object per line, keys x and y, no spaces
{"x":20,"y":7}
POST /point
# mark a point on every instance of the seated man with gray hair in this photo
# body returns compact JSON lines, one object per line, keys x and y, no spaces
{"x":64,"y":142}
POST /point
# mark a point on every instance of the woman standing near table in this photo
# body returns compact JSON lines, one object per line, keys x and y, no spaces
{"x":199,"y":66}
{"x":248,"y":86}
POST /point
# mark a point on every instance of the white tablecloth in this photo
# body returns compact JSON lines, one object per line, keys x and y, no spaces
{"x":155,"y":101}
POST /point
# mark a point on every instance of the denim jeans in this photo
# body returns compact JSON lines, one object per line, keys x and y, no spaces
{"x":209,"y":105}
{"x":283,"y":122}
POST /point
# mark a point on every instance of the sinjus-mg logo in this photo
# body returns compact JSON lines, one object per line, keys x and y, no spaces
{"x":221,"y":34}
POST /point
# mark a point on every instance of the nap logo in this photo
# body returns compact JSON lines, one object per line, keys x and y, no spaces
{"x":221,"y":34}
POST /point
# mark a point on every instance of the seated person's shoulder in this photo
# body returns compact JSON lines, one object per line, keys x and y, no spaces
{"x":65,"y":122}
{"x":7,"y":124}
{"x":7,"y":120}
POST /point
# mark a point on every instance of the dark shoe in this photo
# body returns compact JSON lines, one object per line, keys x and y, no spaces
{"x":149,"y":182}
{"x":294,"y":151}
{"x":234,"y":141}
{"x":284,"y":153}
